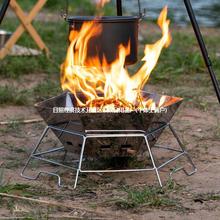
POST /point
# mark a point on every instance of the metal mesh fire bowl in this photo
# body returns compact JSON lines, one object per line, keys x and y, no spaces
{"x":147,"y":122}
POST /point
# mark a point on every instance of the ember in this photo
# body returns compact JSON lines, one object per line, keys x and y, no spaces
{"x":106,"y":84}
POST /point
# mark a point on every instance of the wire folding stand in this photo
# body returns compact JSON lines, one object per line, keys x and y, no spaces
{"x":88,"y":134}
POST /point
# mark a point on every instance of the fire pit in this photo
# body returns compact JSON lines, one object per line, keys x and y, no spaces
{"x":104,"y":111}
{"x":81,"y":120}
{"x":75,"y":130}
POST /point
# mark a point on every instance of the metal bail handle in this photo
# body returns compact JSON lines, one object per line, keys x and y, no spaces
{"x":64,"y":13}
{"x":119,"y":9}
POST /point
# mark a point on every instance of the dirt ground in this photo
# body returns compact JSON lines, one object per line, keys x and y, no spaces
{"x":109,"y":196}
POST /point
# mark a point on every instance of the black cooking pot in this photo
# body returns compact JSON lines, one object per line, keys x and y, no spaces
{"x":116,"y":30}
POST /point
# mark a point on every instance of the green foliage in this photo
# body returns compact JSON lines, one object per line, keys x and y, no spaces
{"x":46,"y":89}
{"x":147,"y":196}
{"x":9,"y":95}
{"x":76,"y":7}
{"x":11,"y":188}
{"x":183,"y":58}
{"x":211,"y":196}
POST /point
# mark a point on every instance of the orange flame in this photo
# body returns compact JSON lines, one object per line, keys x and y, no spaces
{"x":109,"y":86}
{"x":101,"y":3}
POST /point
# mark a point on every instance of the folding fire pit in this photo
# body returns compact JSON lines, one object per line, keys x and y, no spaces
{"x":103,"y":112}
{"x":75,"y":129}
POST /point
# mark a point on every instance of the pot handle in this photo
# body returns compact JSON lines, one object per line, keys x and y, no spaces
{"x":64,"y":13}
{"x":119,"y":9}
{"x":142,"y":13}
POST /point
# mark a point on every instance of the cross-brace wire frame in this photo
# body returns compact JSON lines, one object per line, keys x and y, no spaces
{"x":88,"y":134}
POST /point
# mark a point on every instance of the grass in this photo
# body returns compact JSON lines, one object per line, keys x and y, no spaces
{"x":79,"y":7}
{"x":46,"y":89}
{"x":13,"y":149}
{"x":10,"y":95}
{"x":216,"y":131}
{"x":212,"y":196}
{"x":10,"y":188}
{"x":183,"y":59}
{"x":14,"y":126}
{"x":149,"y":196}
{"x":24,"y":190}
{"x":146,"y":196}
{"x":27,"y":211}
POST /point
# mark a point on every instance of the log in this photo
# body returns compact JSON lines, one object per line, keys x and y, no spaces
{"x":49,"y":203}
{"x":28,"y":121}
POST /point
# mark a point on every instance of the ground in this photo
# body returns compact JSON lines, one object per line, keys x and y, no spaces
{"x":180,"y":72}
{"x":116,"y":195}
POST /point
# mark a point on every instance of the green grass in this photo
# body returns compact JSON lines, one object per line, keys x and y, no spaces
{"x":146,"y":196}
{"x":11,"y":188}
{"x":79,"y":7}
{"x":46,"y":90}
{"x":14,"y":126}
{"x":13,"y":149}
{"x":183,"y":58}
{"x":212,"y":196}
{"x":20,"y":189}
{"x":149,"y":196}
{"x":24,"y":190}
{"x":10,"y":95}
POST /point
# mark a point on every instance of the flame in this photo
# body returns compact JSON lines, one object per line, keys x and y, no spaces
{"x":107,"y":86}
{"x":101,"y":3}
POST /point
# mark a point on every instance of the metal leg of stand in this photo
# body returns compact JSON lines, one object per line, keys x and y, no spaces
{"x":34,"y":156}
{"x":153,"y":162}
{"x":34,"y":151}
{"x":185,"y":153}
{"x":65,"y":151}
{"x":80,"y":161}
{"x":99,"y":134}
